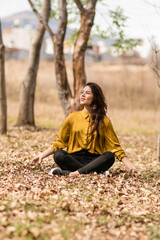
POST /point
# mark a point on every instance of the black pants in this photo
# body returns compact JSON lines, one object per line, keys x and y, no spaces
{"x":83,"y":161}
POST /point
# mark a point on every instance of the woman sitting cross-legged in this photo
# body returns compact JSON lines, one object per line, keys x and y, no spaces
{"x":89,"y":138}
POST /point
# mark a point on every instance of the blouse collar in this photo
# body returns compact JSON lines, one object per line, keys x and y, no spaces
{"x":85,"y":114}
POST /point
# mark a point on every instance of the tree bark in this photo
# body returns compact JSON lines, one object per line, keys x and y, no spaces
{"x":64,"y":90}
{"x":158,"y":144}
{"x":27,"y":94}
{"x":87,"y":21}
{"x":3,"y":101}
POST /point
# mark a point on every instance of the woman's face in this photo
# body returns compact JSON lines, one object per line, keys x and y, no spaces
{"x":86,"y":97}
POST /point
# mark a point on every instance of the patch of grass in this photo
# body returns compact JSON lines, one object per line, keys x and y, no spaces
{"x":65,"y":233}
{"x":48,"y":123}
{"x":150,"y":175}
{"x":155,"y":232}
{"x":68,"y":230}
{"x":103,"y":220}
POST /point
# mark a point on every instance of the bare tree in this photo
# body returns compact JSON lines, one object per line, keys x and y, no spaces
{"x":71,"y":102}
{"x":3,"y":102}
{"x":64,"y":90}
{"x":155,"y":66}
{"x":27,"y":94}
{"x":87,"y":20}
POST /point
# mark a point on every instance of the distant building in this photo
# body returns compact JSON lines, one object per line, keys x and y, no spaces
{"x":68,"y":47}
{"x":18,"y":40}
{"x":18,"y":37}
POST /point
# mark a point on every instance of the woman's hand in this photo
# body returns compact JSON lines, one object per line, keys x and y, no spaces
{"x":38,"y":159}
{"x":74,"y":174}
{"x":129,"y":165}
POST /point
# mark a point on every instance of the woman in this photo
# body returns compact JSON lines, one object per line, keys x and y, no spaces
{"x":89,"y":137}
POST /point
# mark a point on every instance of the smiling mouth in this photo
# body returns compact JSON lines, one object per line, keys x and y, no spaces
{"x":82,"y":99}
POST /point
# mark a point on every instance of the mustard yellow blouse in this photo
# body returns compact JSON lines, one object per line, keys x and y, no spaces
{"x":74,"y":135}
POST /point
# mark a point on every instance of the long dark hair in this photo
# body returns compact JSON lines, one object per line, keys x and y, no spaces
{"x":98,"y":106}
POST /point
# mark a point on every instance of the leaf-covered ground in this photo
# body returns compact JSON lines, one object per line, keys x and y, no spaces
{"x":34,"y":205}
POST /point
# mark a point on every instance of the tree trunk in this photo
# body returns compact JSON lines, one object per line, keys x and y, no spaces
{"x":3,"y":101}
{"x":27,"y":94}
{"x":64,"y":91}
{"x":158,"y":145}
{"x":87,"y":20}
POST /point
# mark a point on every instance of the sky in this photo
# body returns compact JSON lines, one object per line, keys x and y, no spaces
{"x":143,"y":19}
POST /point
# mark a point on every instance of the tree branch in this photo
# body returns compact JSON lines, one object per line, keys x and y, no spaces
{"x":80,"y":6}
{"x":157,"y":75}
{"x":155,"y":60}
{"x":41,"y":19}
{"x":91,"y":4}
{"x":156,"y":7}
{"x":152,"y":4}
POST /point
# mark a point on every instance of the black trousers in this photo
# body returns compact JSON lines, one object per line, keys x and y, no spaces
{"x":83,"y":161}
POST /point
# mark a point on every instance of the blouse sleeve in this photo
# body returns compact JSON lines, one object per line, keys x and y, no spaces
{"x":112,"y":142}
{"x":63,"y":136}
